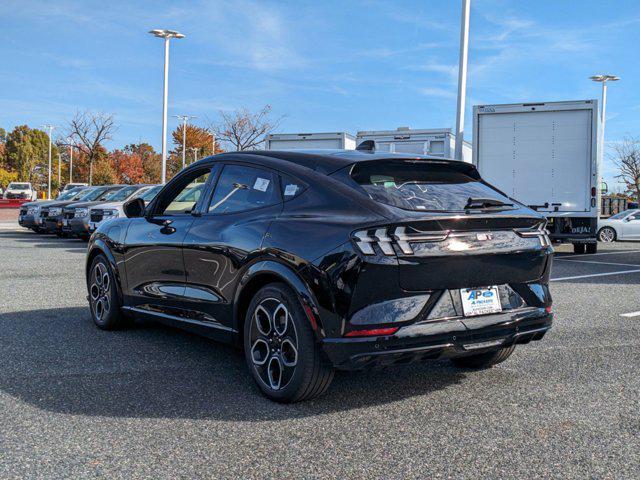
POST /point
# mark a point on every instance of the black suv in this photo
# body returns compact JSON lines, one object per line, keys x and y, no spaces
{"x":315,"y":260}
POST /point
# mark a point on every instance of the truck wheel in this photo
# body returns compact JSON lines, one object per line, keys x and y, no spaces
{"x":592,"y":248}
{"x":281,"y":352}
{"x":484,"y":360}
{"x":578,"y":248}
{"x":607,"y":234}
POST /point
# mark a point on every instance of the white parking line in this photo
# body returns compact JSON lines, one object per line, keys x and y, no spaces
{"x":599,"y":263}
{"x":582,"y":255}
{"x":630,"y":314}
{"x":575,"y":277}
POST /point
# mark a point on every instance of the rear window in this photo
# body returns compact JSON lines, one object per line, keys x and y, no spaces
{"x":422,"y":186}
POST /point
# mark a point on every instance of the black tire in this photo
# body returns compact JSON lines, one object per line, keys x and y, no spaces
{"x":607,"y":234}
{"x":592,"y":248}
{"x":103,"y":300}
{"x":484,"y":360}
{"x":578,"y":248}
{"x":286,"y":362}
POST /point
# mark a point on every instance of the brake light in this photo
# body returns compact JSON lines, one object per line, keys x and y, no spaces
{"x":593,"y":191}
{"x":548,"y":309}
{"x":384,"y":238}
{"x":541,"y":232}
{"x":373,"y":332}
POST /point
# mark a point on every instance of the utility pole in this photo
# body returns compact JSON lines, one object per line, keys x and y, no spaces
{"x":462,"y":77}
{"x":604,"y":79}
{"x":167,"y":35}
{"x":50,"y":128}
{"x":59,"y":169}
{"x":185,"y":119}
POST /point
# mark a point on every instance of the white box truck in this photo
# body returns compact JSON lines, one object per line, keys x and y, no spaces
{"x":439,"y":142}
{"x":545,"y":155}
{"x":296,"y":141}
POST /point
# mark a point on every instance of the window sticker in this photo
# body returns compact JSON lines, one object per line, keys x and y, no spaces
{"x":261,"y":184}
{"x":290,"y":190}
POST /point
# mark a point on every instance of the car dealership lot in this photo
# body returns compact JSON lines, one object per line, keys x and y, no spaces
{"x":156,"y":402}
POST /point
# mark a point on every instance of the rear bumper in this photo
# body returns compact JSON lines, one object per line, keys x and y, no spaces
{"x":440,"y":339}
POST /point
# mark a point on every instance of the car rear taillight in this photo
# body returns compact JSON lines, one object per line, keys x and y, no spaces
{"x":384,"y":238}
{"x":540,"y":231}
{"x":372,"y":332}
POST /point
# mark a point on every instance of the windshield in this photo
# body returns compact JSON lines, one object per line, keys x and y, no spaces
{"x":120,"y":195}
{"x":421,"y":186}
{"x":93,"y":194}
{"x":620,"y":215}
{"x":67,"y":195}
{"x":18,"y":186}
{"x":150,"y":194}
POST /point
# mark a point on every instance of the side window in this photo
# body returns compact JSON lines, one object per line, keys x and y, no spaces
{"x":291,"y":187}
{"x":241,"y":188}
{"x":182,"y":199}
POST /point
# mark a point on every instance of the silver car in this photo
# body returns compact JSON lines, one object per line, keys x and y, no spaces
{"x":621,"y":226}
{"x":99,"y":214}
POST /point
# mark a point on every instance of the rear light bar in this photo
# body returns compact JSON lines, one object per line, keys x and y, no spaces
{"x":540,"y":231}
{"x":373,"y":332}
{"x":398,"y":236}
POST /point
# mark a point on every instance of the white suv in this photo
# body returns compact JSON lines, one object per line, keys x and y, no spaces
{"x":20,"y":190}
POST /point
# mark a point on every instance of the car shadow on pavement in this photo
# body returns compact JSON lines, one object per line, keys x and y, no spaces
{"x":57,"y":360}
{"x":41,"y":240}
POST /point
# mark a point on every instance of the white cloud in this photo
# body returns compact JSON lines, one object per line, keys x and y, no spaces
{"x":437,"y":92}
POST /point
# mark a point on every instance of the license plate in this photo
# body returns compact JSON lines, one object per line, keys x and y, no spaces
{"x":480,"y":301}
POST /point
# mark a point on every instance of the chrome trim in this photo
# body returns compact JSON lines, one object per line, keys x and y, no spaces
{"x":212,"y":324}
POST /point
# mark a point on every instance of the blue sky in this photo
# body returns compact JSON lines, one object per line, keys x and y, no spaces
{"x":324,"y":66}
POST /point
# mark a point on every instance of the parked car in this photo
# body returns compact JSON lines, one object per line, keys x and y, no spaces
{"x":20,"y":191}
{"x":317,"y":261}
{"x":621,"y":226}
{"x":108,"y":211}
{"x":51,"y":216}
{"x":29,"y":213}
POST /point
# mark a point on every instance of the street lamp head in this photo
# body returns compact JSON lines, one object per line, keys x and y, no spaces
{"x":160,"y":33}
{"x":605,"y":78}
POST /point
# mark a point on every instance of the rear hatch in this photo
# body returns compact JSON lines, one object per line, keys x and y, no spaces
{"x":447,"y":228}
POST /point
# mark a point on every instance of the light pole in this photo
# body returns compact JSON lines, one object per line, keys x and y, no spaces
{"x":604,"y":79}
{"x":195,"y":153}
{"x":462,"y":77}
{"x":50,"y":128}
{"x":185,"y":119}
{"x":59,"y":169}
{"x":70,"y":160}
{"x":167,"y":35}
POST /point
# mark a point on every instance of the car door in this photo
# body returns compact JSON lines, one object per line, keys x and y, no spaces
{"x":153,"y":246}
{"x":631,"y":227}
{"x":226,"y":237}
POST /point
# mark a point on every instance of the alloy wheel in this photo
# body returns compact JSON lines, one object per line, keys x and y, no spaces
{"x":274,"y":343}
{"x":100,"y":291}
{"x":607,"y":235}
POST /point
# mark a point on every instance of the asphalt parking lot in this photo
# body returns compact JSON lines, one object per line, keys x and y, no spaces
{"x":159,"y":403}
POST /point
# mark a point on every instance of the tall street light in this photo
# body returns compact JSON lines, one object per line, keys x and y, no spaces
{"x":50,"y":128}
{"x":604,"y":79}
{"x":185,"y":119}
{"x":70,"y":140}
{"x":462,"y":77}
{"x":167,"y":35}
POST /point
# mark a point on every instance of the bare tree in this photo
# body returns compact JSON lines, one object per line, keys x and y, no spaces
{"x":627,"y":158}
{"x":244,"y":130}
{"x":91,"y":130}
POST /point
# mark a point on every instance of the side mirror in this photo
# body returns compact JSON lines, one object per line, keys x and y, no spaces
{"x":134,"y":208}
